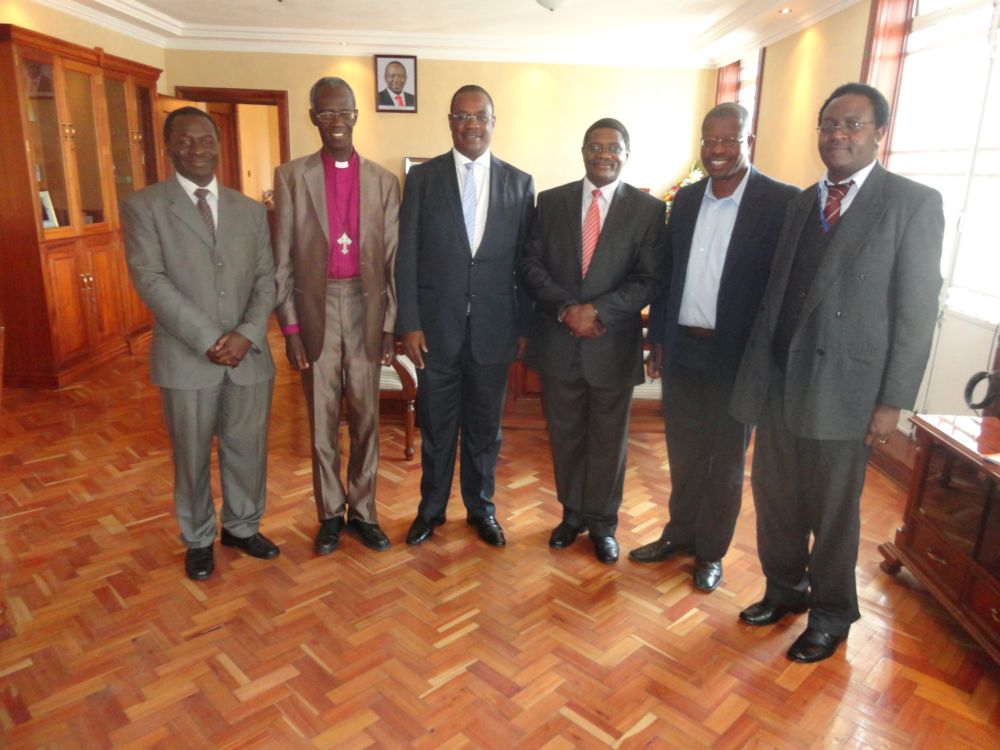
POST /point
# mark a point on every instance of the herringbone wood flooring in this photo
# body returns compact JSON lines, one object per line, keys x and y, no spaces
{"x":449,"y":645}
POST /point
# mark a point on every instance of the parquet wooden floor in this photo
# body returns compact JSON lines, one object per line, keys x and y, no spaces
{"x":449,"y":645}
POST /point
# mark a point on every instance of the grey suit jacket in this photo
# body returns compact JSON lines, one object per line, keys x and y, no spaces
{"x":866,"y":326}
{"x":302,"y":250}
{"x":196,"y":289}
{"x":624,"y":276}
{"x":440,"y":287}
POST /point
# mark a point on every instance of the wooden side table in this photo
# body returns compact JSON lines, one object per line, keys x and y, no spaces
{"x":950,"y":537}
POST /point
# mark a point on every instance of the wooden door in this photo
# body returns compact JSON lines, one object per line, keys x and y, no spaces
{"x":88,"y":168}
{"x":104,"y":274}
{"x":67,"y":280}
{"x":230,"y":170}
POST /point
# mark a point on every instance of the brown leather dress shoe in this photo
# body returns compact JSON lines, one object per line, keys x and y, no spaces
{"x":814,"y":645}
{"x":766,"y":612}
{"x":256,"y":545}
{"x":328,"y":536}
{"x":199,"y":562}
{"x":658,"y":551}
{"x":563,"y":535}
{"x":489,"y":530}
{"x":370,"y":534}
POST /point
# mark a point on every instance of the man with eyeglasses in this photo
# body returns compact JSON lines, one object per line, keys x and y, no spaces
{"x":720,"y":241}
{"x":593,"y":263}
{"x":334,"y":247}
{"x":838,"y":349}
{"x":463,"y":317}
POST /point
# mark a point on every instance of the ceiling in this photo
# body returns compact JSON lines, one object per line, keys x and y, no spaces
{"x":687,"y":33}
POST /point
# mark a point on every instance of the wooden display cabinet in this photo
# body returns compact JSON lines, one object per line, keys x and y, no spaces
{"x":78,"y":137}
{"x":950,"y":538}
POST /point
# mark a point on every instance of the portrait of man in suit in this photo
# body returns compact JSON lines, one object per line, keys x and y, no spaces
{"x":720,"y":241}
{"x":592,"y":264}
{"x":462,"y":314}
{"x":199,"y":256}
{"x":394,"y":96}
{"x":334,"y":248}
{"x":838,"y":348}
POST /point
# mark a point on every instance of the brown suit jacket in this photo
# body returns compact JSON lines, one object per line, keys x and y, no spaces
{"x":302,"y":250}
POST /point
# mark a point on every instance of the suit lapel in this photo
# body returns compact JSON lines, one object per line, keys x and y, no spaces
{"x":684,"y":218}
{"x":184,"y":209}
{"x":573,"y":200}
{"x":498,"y":187}
{"x":315,"y":181}
{"x":850,"y":238}
{"x":798,"y":214}
{"x":448,"y":178}
{"x":368,"y":206}
{"x":747,"y":218}
{"x":615,"y":226}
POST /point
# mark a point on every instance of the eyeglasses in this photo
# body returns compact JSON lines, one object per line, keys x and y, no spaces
{"x":329,"y":116}
{"x":828,"y":127}
{"x":727,"y":142}
{"x":615,"y":149}
{"x":463,"y":118}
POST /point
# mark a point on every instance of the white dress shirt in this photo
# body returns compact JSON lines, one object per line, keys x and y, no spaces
{"x":709,"y":245}
{"x":482,"y":178}
{"x":607,"y":193}
{"x":212,"y":198}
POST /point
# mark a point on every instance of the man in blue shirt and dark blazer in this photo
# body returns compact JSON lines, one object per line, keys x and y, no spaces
{"x":461,"y":313}
{"x":720,"y":241}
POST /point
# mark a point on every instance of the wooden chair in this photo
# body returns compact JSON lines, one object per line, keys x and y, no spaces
{"x":398,"y":382}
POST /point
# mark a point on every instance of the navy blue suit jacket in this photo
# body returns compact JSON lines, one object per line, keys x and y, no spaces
{"x":744,"y":275}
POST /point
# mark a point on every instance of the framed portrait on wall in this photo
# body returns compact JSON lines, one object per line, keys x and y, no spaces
{"x":395,"y":83}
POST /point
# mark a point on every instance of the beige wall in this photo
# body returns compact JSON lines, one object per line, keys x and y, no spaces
{"x":259,"y":148}
{"x":799,"y":73}
{"x":542,"y":110}
{"x":71,"y":29}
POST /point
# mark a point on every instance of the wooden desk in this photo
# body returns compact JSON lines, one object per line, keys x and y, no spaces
{"x":950,"y":537}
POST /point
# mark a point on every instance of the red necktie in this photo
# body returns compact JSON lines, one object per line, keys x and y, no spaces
{"x":399,"y":101}
{"x":591,"y":230}
{"x":834,"y":195}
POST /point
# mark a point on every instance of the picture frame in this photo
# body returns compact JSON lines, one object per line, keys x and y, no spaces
{"x":389,"y":89}
{"x":49,"y":220}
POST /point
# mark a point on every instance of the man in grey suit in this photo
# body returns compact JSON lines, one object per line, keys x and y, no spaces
{"x":334,"y":249}
{"x":838,"y":349}
{"x":461,"y":313}
{"x":593,"y":262}
{"x":199,"y":256}
{"x":720,"y":241}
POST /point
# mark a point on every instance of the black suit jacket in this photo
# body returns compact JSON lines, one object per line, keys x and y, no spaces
{"x":438,"y":281}
{"x":385,"y":99}
{"x":744,"y":274}
{"x":624,"y":276}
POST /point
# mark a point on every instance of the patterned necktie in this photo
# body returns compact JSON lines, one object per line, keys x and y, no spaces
{"x":399,"y":101}
{"x":469,"y":202}
{"x":591,"y":230}
{"x":834,"y":195}
{"x":205,"y":210}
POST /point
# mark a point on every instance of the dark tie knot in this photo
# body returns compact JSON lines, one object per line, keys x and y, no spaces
{"x":201,"y":193}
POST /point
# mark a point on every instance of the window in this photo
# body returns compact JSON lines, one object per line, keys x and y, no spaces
{"x":946,"y":134}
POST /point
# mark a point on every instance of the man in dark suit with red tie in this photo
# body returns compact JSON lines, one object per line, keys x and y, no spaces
{"x":461,"y":314}
{"x":838,"y":349}
{"x":720,"y":242}
{"x":593,"y":262}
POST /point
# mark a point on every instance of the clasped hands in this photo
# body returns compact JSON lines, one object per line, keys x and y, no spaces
{"x":230,"y":349}
{"x":582,"y":321}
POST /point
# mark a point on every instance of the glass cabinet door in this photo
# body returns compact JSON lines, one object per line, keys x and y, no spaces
{"x":45,"y":133}
{"x":145,"y":98}
{"x":83,"y":126}
{"x":122,"y":136}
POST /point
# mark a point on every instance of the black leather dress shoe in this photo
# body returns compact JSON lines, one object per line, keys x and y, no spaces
{"x":421,"y":529}
{"x":768,"y":613}
{"x":658,"y":551}
{"x":199,"y":563}
{"x":707,"y":574}
{"x":257,"y":545}
{"x":488,"y":528}
{"x":328,"y":536}
{"x":814,"y":645}
{"x":370,"y":534}
{"x":563,"y":535}
{"x":605,"y":549}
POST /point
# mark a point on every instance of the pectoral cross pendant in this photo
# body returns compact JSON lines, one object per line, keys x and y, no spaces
{"x":344,"y":241}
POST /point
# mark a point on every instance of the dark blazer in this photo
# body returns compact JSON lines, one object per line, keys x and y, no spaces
{"x":624,"y":276}
{"x":865,"y":329}
{"x":385,"y":99}
{"x":439,"y":284}
{"x":744,"y":275}
{"x":198,"y":289}
{"x":302,"y":250}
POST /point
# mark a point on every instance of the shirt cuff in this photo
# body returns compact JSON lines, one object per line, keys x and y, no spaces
{"x":289,"y":330}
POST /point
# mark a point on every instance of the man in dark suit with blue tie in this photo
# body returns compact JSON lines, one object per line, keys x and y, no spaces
{"x":461,"y":313}
{"x":593,"y":262}
{"x":720,"y":242}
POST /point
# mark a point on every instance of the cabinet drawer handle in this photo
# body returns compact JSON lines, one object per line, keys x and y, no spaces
{"x":994,"y":614}
{"x":936,"y":558}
